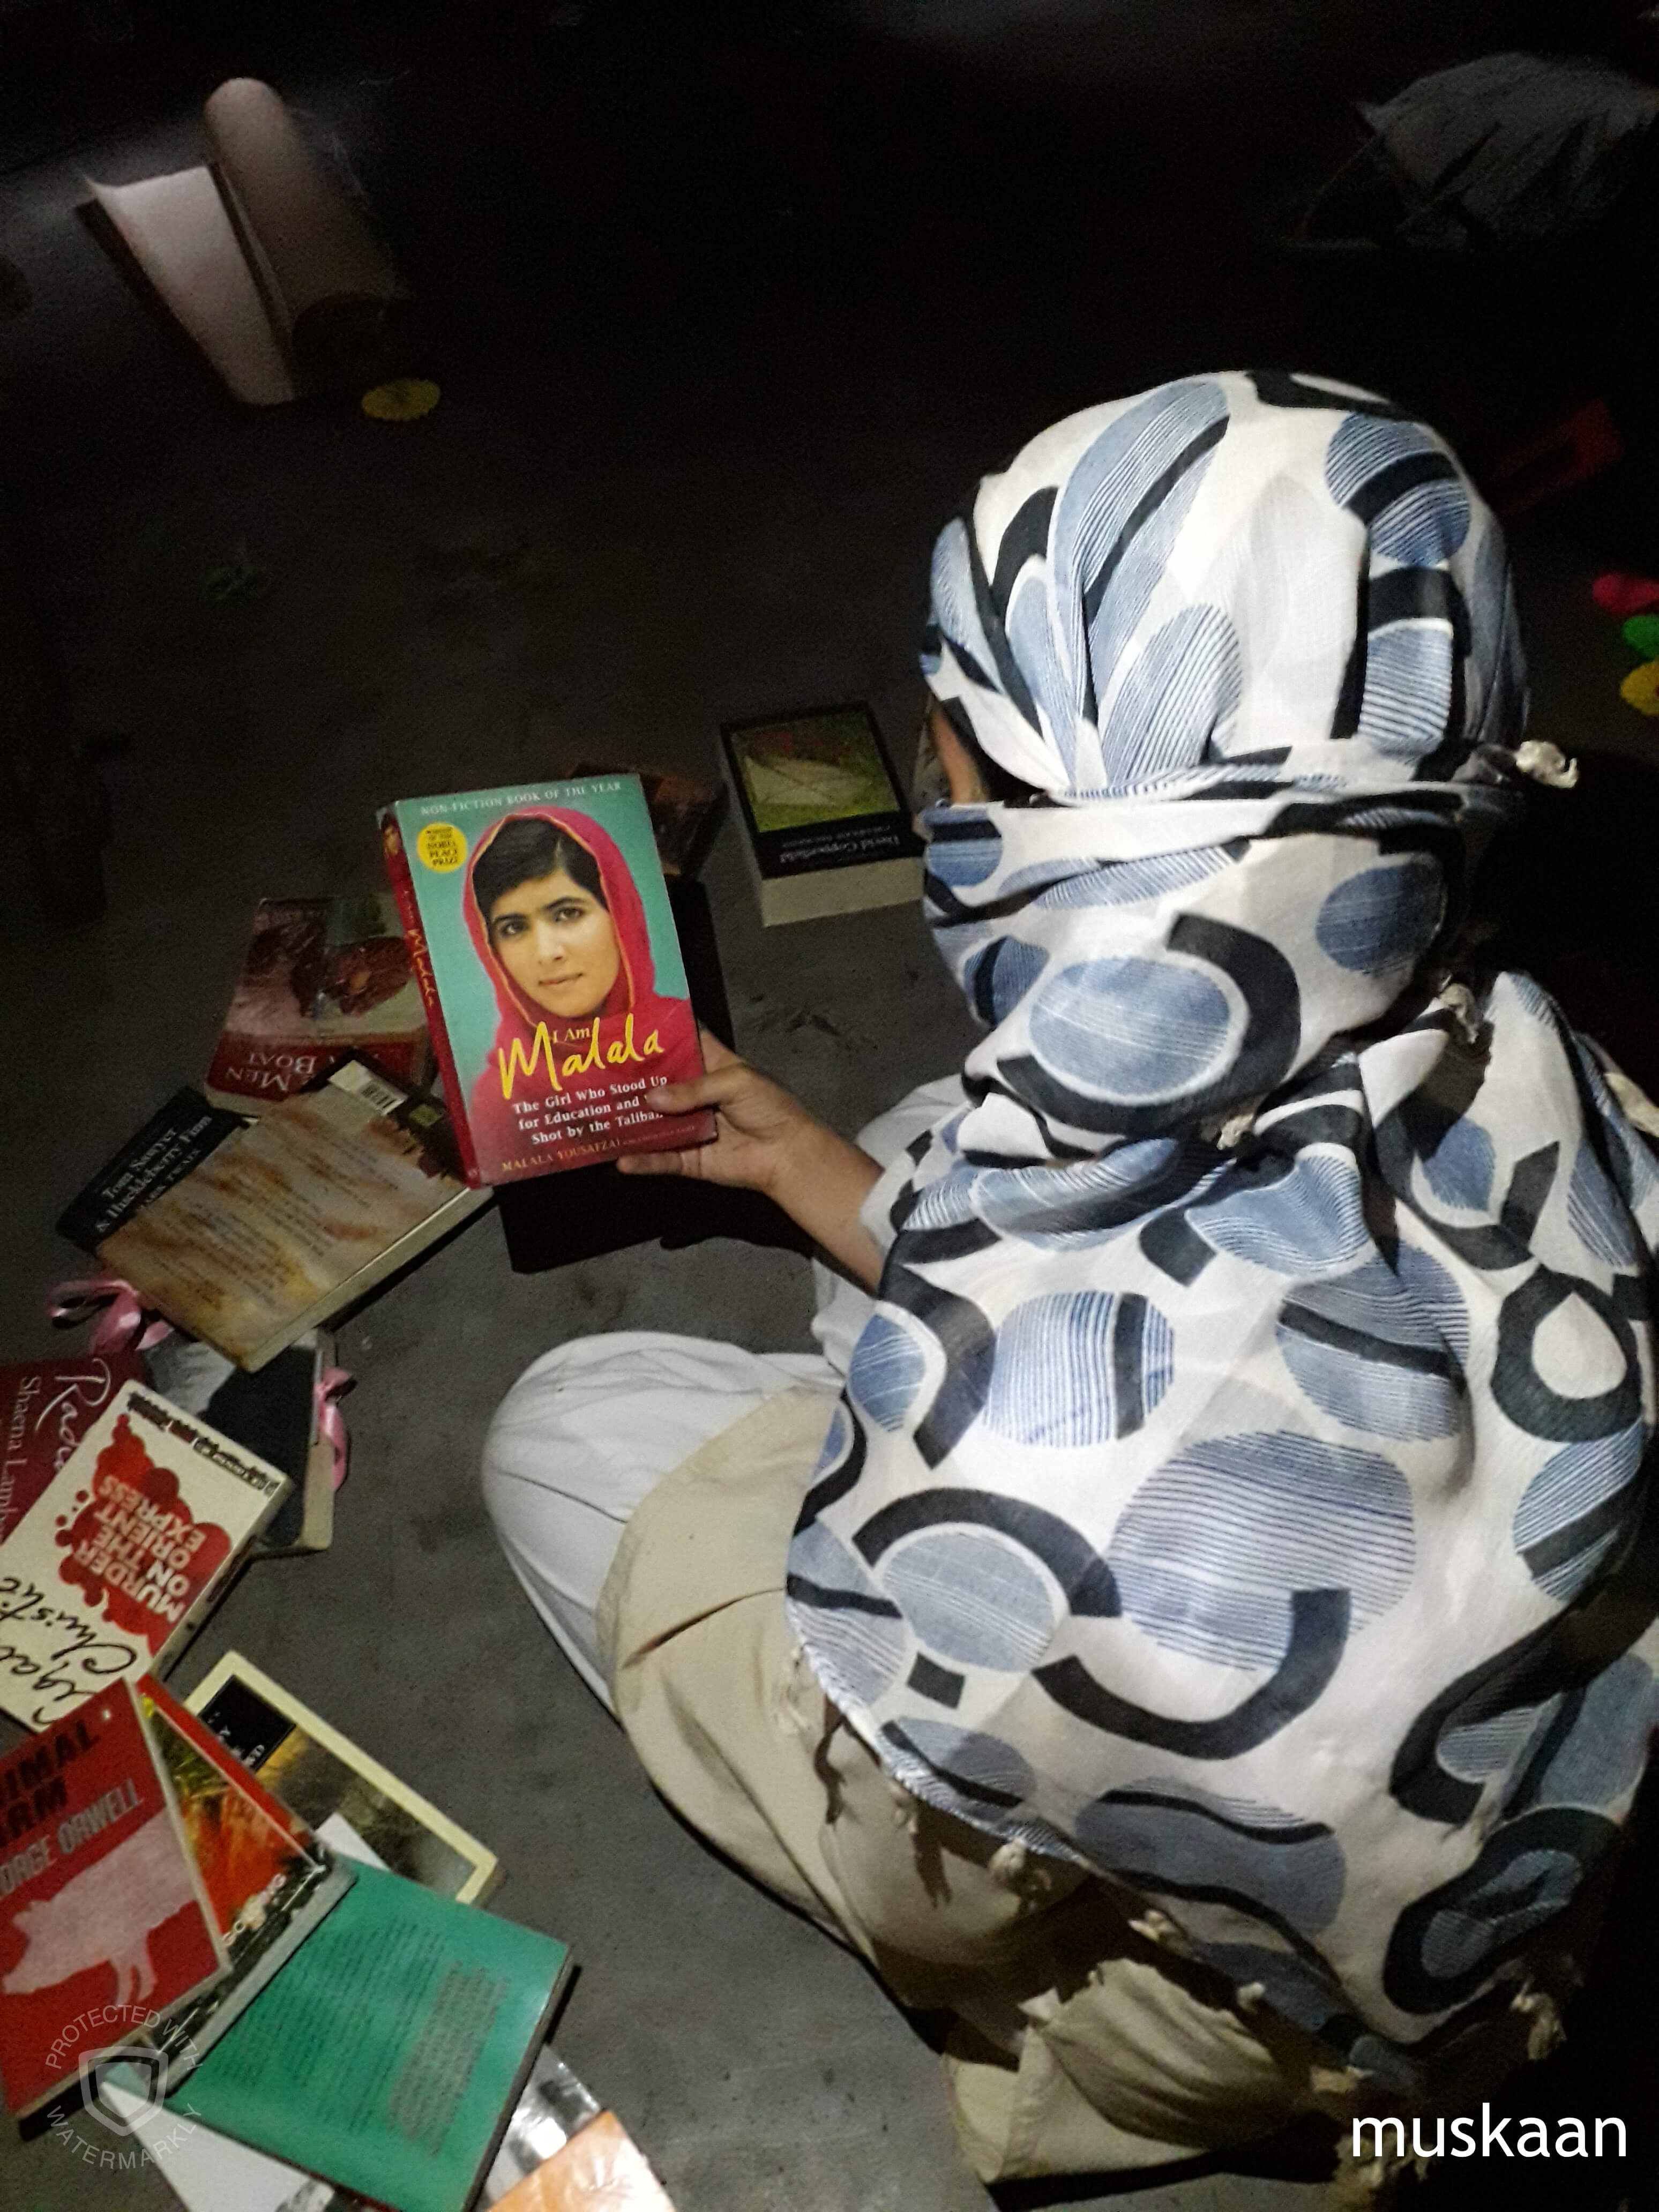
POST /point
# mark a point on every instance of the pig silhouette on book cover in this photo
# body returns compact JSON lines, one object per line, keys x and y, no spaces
{"x":105,"y":1924}
{"x":542,"y":938}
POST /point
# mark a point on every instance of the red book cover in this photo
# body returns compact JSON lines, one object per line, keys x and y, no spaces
{"x":322,"y":979}
{"x":267,"y":1878}
{"x":47,"y":1406}
{"x":544,"y":946}
{"x":104,"y":1923}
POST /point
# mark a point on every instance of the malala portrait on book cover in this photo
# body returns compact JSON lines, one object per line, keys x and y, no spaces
{"x":560,"y":992}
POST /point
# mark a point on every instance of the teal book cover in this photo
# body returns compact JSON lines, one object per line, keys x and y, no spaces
{"x":541,"y":934}
{"x":388,"y":2053}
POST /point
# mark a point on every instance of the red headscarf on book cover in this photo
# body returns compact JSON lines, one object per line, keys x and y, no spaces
{"x":633,"y":1006}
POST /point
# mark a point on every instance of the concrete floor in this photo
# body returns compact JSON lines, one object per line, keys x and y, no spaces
{"x":727,"y":316}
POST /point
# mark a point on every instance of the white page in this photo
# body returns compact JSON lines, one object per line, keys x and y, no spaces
{"x":337,"y":1832}
{"x":177,"y":230}
{"x":209,"y":2172}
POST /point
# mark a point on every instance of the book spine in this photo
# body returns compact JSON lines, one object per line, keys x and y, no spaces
{"x":218,"y":1589}
{"x":403,"y":890}
{"x":129,"y":1687}
{"x":746,"y":826}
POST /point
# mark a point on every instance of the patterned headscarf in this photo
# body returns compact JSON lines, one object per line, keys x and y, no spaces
{"x":1239,"y":1484}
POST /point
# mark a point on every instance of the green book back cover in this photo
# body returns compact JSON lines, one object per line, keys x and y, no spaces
{"x":387,"y":2053}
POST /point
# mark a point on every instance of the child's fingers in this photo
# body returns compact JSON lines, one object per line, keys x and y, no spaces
{"x":717,"y":1088}
{"x":715,"y":1054}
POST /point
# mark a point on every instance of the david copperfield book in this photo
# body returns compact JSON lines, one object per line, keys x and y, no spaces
{"x":543,"y":940}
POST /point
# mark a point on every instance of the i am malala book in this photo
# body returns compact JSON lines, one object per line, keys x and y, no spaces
{"x":543,"y":940}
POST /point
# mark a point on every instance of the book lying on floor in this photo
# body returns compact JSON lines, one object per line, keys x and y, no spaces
{"x":321,"y":978}
{"x":171,"y":1143}
{"x":269,"y":1881}
{"x":296,"y":1216}
{"x":115,"y":1564}
{"x":552,"y":2105}
{"x":351,"y":1802}
{"x":685,"y":812}
{"x":103,"y":1919}
{"x":211,"y":2173}
{"x":275,"y":1412}
{"x":47,"y":1406}
{"x":555,"y":994}
{"x":600,"y":2169}
{"x":388,"y":2054}
{"x":827,"y":829}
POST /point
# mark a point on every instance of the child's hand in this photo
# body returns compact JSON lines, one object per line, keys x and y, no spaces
{"x":766,"y":1140}
{"x":759,"y":1126}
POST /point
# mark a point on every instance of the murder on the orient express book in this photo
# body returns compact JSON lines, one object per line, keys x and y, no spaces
{"x":115,"y":1563}
{"x":544,"y":946}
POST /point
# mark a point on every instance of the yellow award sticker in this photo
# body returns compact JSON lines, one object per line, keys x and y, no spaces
{"x":442,"y":847}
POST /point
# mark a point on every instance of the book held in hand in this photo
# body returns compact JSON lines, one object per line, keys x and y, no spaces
{"x":827,"y":829}
{"x":104,"y":1919}
{"x":321,"y":978}
{"x":545,"y":949}
{"x":297,"y":1216}
{"x":113,"y":1566}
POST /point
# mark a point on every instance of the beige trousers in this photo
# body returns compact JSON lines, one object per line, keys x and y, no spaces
{"x":1084,"y":2042}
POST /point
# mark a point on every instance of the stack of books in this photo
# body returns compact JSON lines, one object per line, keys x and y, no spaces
{"x":226,"y":1902}
{"x":281,"y":1945}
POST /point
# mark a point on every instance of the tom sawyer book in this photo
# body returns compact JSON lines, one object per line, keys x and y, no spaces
{"x":543,"y":940}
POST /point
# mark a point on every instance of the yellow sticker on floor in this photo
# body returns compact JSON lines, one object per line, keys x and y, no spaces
{"x":405,"y":399}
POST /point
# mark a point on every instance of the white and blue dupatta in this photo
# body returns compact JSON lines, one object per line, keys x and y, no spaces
{"x":1240,"y":1487}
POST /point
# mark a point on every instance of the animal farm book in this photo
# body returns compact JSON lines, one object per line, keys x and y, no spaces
{"x":113,"y":1565}
{"x":827,"y":828}
{"x":321,"y":978}
{"x":297,"y":1216}
{"x":545,"y":948}
{"x":103,"y":1920}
